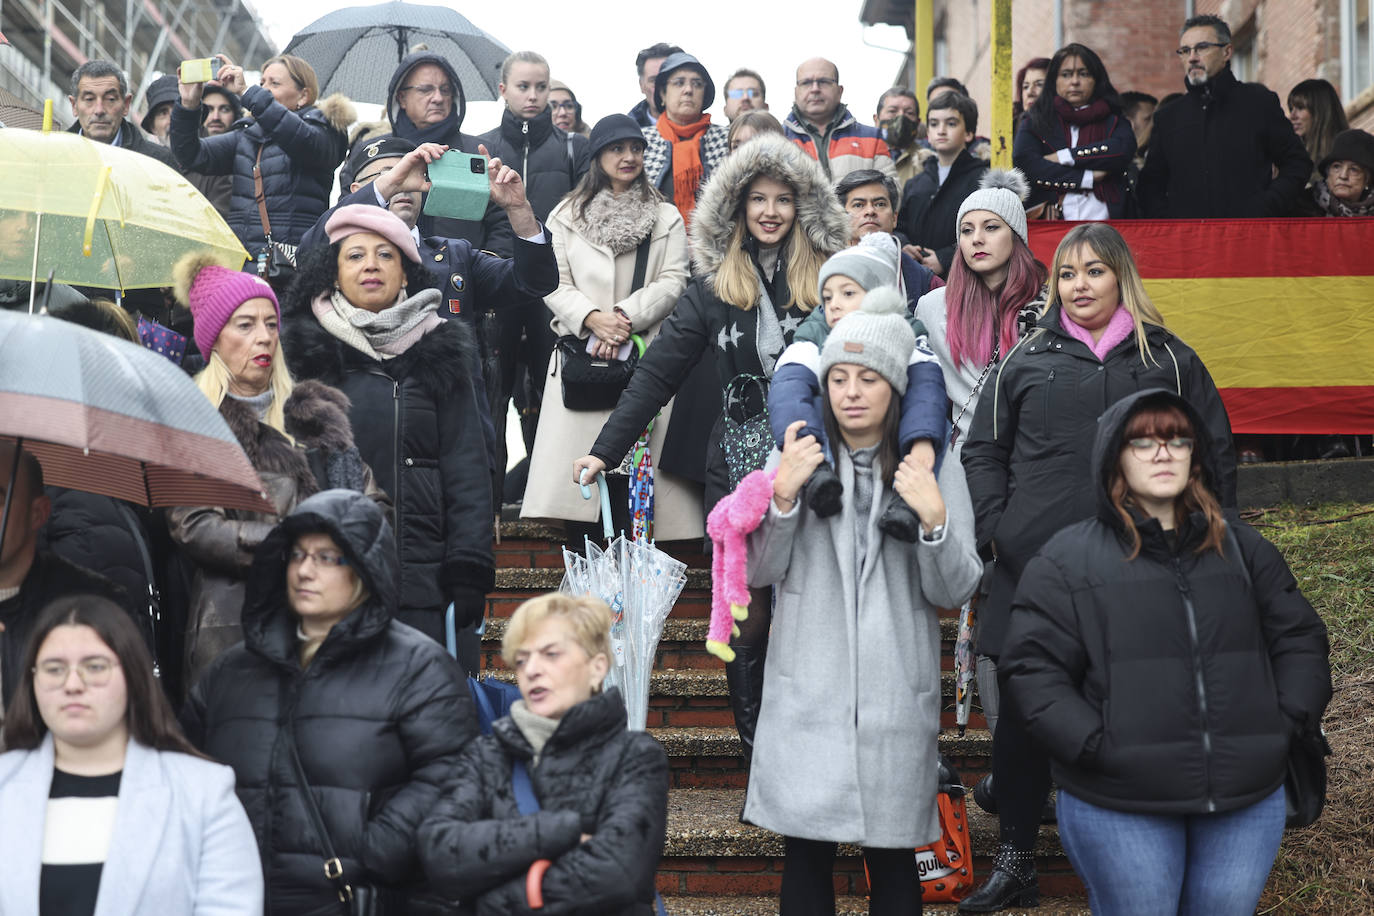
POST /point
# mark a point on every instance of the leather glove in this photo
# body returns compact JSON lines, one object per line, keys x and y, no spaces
{"x":469,"y":606}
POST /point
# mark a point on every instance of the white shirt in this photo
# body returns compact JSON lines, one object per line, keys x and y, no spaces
{"x":1081,"y":204}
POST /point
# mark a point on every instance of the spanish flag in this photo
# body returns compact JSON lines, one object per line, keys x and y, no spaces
{"x":1281,"y":311}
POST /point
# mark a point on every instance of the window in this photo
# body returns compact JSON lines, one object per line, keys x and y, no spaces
{"x":1357,"y":49}
{"x":1244,"y":60}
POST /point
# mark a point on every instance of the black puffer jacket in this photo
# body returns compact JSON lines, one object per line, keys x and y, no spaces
{"x":416,"y":422}
{"x":930,"y":209}
{"x":539,"y":152}
{"x":593,"y":777}
{"x":300,"y":151}
{"x":1029,"y":449}
{"x":107,"y":536}
{"x":379,"y":717}
{"x":1170,"y":683}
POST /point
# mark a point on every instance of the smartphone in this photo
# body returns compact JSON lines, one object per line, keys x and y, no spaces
{"x":200,"y":70}
{"x":622,"y":352}
{"x":458,"y":186}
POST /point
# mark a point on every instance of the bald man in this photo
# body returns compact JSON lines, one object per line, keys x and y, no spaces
{"x":822,"y":125}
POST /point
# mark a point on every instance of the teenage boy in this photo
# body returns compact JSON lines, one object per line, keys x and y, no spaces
{"x":930,"y":201}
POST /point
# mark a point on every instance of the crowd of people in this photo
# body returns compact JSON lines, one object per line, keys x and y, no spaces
{"x":852,"y":309}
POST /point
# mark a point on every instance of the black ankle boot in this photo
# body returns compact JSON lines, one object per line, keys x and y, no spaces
{"x":744,"y":676}
{"x":824,"y":492}
{"x":900,"y":522}
{"x":1012,"y":883}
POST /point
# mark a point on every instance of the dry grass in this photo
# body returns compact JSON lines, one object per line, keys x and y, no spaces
{"x":1328,"y":868}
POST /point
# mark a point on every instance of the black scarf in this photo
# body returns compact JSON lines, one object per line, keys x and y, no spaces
{"x":435,"y":133}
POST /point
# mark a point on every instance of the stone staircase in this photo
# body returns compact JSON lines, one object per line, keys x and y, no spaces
{"x":713,"y":865}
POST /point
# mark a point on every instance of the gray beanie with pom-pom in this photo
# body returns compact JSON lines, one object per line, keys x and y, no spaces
{"x":1003,"y":193}
{"x":877,"y":336}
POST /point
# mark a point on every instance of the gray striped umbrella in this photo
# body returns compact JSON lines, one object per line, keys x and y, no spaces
{"x":107,"y":416}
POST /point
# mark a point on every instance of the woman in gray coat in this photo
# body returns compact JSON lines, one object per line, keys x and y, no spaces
{"x":846,"y":745}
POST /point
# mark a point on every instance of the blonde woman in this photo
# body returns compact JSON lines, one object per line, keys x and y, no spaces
{"x":601,"y":791}
{"x":236,"y":328}
{"x":1027,"y":458}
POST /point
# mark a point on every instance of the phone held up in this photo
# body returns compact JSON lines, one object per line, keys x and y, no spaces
{"x":458,"y":186}
{"x":200,"y":70}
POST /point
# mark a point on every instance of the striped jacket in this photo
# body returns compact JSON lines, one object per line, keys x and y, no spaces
{"x":848,"y":145}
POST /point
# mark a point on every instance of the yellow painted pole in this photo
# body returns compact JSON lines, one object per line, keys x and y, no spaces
{"x":1001,"y":84}
{"x":923,"y":47}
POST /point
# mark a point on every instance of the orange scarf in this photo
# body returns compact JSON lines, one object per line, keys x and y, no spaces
{"x":687,"y":165}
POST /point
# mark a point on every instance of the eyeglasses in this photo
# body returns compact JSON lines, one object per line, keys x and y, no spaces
{"x":1147,"y":448}
{"x":322,"y":558}
{"x":563,"y":106}
{"x":1202,"y":47}
{"x":819,"y":82}
{"x":429,"y":89}
{"x":94,"y":672}
{"x":682,"y":82}
{"x":742,"y":94}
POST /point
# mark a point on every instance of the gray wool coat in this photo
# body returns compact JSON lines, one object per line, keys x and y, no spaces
{"x":846,"y":744}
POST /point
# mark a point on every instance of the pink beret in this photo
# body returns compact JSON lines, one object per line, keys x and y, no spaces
{"x":356,"y":218}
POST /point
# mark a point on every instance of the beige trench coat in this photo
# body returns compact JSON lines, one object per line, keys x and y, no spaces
{"x":590,"y":277}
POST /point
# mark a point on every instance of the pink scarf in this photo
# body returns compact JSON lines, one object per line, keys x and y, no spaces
{"x":1118,"y":329}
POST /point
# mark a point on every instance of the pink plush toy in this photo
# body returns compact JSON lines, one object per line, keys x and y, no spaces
{"x":729,"y":524}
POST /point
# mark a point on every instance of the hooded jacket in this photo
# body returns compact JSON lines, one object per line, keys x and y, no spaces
{"x":1029,"y":448}
{"x":540,"y":153}
{"x":701,"y":319}
{"x":416,"y":421}
{"x":1170,"y":683}
{"x":492,"y":233}
{"x":593,"y":777}
{"x":930,"y":209}
{"x":299,"y":152}
{"x":379,"y":717}
{"x":1214,"y":151}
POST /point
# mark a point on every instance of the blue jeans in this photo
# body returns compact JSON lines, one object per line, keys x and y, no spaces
{"x":1172,"y":865}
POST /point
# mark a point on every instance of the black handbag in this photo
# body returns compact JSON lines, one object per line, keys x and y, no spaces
{"x":746,"y":440}
{"x":1304,"y":787}
{"x":354,"y":899}
{"x":590,"y":383}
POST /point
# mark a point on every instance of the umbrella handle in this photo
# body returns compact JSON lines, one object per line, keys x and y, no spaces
{"x":606,"y":526}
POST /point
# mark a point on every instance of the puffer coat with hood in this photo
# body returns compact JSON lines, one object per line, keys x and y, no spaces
{"x":592,"y":777}
{"x":1170,"y":683}
{"x":1029,"y":450}
{"x":550,"y":162}
{"x":379,"y":718}
{"x":743,"y":341}
{"x":299,"y":152}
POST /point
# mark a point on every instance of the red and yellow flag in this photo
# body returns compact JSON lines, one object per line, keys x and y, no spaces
{"x":1281,"y":311}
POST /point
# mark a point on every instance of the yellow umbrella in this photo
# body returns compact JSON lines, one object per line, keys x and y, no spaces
{"x":92,"y":214}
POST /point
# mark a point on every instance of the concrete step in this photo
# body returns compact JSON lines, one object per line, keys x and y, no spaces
{"x":708,"y":851}
{"x":848,"y":906}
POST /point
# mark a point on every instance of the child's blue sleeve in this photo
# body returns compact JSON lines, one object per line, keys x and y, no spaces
{"x":795,"y":393}
{"x":924,"y":406}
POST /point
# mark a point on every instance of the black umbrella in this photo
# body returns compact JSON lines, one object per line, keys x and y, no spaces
{"x":355,"y":50}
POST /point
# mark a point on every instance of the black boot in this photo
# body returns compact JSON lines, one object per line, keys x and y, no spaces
{"x":824,"y":491}
{"x":983,"y":795}
{"x":1012,"y":883}
{"x":900,"y":522}
{"x":744,"y":676}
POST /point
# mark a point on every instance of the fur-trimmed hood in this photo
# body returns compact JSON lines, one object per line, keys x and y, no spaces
{"x":317,"y":416}
{"x":819,"y":213}
{"x":339,"y":111}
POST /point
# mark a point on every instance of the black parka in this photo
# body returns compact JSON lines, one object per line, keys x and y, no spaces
{"x":416,"y":422}
{"x":1028,"y":456}
{"x":379,"y":717}
{"x":540,"y":153}
{"x":1170,"y":683}
{"x":593,"y":777}
{"x":931,"y":209}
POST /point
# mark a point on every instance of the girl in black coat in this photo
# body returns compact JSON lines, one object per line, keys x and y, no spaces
{"x":587,"y":835}
{"x":1026,"y":458}
{"x":1165,"y":658}
{"x":1074,"y":144}
{"x":378,"y":712}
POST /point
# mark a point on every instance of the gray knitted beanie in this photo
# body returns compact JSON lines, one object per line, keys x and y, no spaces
{"x":874,"y":262}
{"x":1003,"y":193}
{"x":876,"y":335}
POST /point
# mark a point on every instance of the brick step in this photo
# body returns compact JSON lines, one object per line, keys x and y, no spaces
{"x":849,"y":906}
{"x":711,"y":758}
{"x":708,"y":851}
{"x":529,"y":544}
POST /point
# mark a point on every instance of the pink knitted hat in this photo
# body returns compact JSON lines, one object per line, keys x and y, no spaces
{"x":213,"y":293}
{"x":356,"y":218}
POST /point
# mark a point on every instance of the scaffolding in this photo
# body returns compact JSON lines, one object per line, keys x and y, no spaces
{"x":51,"y":38}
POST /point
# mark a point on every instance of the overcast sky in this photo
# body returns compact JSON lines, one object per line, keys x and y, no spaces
{"x":591,"y":46}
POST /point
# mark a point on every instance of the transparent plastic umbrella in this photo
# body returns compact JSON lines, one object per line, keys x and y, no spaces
{"x":641,"y":584}
{"x":965,"y":667}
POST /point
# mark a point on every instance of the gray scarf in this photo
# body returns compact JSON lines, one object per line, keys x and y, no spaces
{"x":618,"y":223}
{"x":865,"y":483}
{"x":537,"y":729}
{"x":381,"y":335}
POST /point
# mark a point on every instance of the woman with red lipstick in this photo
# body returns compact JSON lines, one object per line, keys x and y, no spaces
{"x":1164,"y":656}
{"x":1027,"y":457}
{"x":298,"y":438}
{"x":613,"y":223}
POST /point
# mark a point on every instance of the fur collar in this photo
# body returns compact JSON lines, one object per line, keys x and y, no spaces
{"x":268,"y":450}
{"x":619,"y":224}
{"x":339,"y":111}
{"x":317,"y":417}
{"x":819,"y":213}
